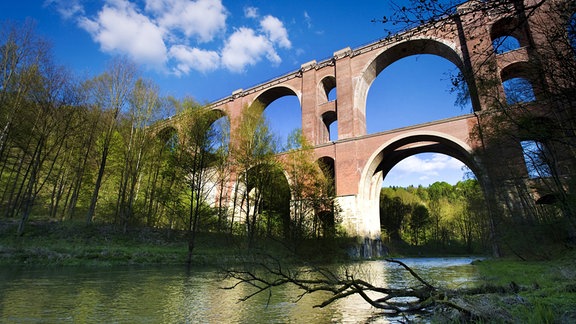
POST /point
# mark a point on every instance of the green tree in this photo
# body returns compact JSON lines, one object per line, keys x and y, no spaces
{"x":419,"y":218}
{"x":253,"y":151}
{"x":310,"y":189}
{"x":52,"y":95}
{"x":22,"y":53}
{"x":36,"y":97}
{"x":172,"y":191}
{"x":222,"y":167}
{"x":159,"y":180}
{"x":439,"y":194}
{"x":144,"y":103}
{"x":472,"y":220}
{"x":197,"y":155}
{"x":393,"y":211}
{"x":80,"y":148}
{"x":109,"y":92}
{"x":327,"y":209}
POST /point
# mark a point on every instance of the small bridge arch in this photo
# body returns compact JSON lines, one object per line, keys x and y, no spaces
{"x":268,"y":96}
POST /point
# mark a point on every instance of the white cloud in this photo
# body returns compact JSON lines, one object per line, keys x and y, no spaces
{"x":194,"y":58}
{"x":307,"y":19}
{"x":203,"y":19}
{"x":275,"y":30}
{"x":425,"y":169}
{"x":310,"y":25}
{"x":245,"y":48}
{"x":119,"y":28}
{"x":251,"y":12}
{"x":66,"y":8}
{"x":178,"y":35}
{"x":428,"y":167}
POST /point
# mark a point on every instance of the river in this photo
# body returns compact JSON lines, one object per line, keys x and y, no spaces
{"x":176,"y":295}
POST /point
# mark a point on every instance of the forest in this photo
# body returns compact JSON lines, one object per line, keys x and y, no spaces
{"x":95,"y":151}
{"x":441,"y":216}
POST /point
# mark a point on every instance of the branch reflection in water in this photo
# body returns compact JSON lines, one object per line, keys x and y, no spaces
{"x":174,"y":295}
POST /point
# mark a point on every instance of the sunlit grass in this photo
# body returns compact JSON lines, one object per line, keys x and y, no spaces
{"x":545,"y":291}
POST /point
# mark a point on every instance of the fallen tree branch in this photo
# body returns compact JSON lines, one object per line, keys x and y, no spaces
{"x":266,"y":275}
{"x":414,"y":274}
{"x":425,"y":297}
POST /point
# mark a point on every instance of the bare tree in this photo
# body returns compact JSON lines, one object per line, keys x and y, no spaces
{"x":526,"y":101}
{"x":21,"y":53}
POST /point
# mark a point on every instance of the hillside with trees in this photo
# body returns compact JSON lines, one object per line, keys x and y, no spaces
{"x":441,"y":217}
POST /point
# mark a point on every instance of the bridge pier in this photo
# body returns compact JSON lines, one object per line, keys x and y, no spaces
{"x":360,"y":219}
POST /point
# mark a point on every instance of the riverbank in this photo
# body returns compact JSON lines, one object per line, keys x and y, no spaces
{"x":77,"y":244}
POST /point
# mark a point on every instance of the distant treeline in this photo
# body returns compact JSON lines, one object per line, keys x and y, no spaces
{"x":439,"y":215}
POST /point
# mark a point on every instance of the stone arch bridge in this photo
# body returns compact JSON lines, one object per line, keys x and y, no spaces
{"x":361,"y":160}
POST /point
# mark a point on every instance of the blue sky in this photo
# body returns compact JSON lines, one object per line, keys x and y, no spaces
{"x":206,"y":49}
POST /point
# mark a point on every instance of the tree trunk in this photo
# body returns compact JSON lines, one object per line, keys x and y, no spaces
{"x":94,"y":200}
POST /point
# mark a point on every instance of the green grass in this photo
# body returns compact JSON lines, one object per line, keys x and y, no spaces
{"x":69,"y":243}
{"x":540,"y":291}
{"x":75,"y":244}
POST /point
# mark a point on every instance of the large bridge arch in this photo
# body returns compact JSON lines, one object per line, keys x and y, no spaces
{"x":434,"y":46}
{"x":387,"y":155}
{"x":443,"y":48}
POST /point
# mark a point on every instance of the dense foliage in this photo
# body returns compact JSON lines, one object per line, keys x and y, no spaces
{"x":80,"y":149}
{"x":104,"y":150}
{"x":441,"y":216}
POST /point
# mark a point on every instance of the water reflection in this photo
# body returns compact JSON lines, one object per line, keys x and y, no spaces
{"x":173,"y":295}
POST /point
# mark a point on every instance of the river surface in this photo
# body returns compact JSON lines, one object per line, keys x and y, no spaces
{"x":176,"y":295}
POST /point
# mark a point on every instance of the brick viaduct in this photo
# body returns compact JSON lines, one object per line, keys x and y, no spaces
{"x":361,"y":160}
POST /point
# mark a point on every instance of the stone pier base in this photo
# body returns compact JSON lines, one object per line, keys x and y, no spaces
{"x":363,"y":222}
{"x":367,"y":248}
